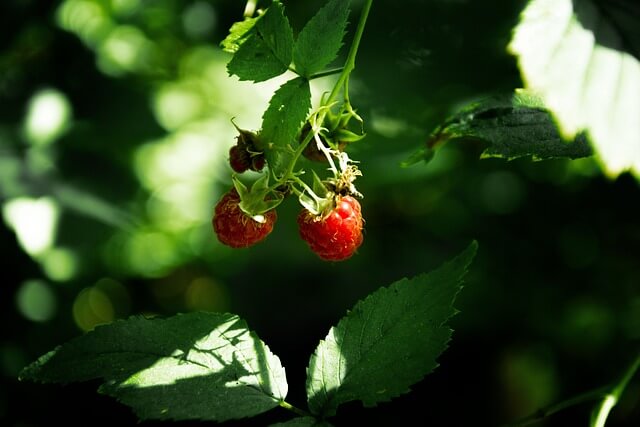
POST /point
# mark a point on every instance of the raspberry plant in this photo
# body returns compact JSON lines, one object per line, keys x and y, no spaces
{"x":211,"y":366}
{"x":263,"y":48}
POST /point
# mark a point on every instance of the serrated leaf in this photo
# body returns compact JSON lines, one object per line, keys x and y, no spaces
{"x":387,"y":342}
{"x":303,"y":422}
{"x":283,"y":119}
{"x":321,"y":38}
{"x":582,"y":57}
{"x":267,"y":50}
{"x":238,"y":33}
{"x":207,"y":366}
{"x":513,"y":126}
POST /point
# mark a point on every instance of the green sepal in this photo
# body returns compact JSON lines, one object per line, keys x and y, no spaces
{"x":345,"y":135}
{"x":318,"y":186}
{"x":259,"y":199}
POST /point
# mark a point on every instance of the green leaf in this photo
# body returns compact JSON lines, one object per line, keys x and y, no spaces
{"x":321,"y":38}
{"x":207,"y":366}
{"x":513,"y":126}
{"x":387,"y":342}
{"x":283,"y":119}
{"x":303,"y":422}
{"x":582,"y":57}
{"x":267,"y":50}
{"x":238,"y":34}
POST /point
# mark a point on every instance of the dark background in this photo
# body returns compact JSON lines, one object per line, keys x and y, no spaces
{"x":551,"y":306}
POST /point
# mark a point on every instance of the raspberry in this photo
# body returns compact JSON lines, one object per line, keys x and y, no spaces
{"x":239,"y":159}
{"x":336,"y":236}
{"x":236,"y":229}
{"x":244,"y":155}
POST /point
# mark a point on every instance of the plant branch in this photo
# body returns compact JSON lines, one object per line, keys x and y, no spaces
{"x":600,"y":414}
{"x":350,"y":64}
{"x":542,"y":413}
{"x":326,"y":73}
{"x":295,"y":410}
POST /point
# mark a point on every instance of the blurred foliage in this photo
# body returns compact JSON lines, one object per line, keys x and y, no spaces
{"x":115,"y":123}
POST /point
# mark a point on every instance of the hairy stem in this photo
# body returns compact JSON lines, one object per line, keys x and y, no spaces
{"x":600,"y":414}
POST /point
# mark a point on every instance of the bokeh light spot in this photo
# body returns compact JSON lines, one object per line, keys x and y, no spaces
{"x":124,"y":7}
{"x":204,"y":293}
{"x":59,"y":264}
{"x":85,"y":18}
{"x":151,"y":253}
{"x":36,"y":301}
{"x":48,"y":116}
{"x":34,"y":221}
{"x":92,"y":307}
{"x":178,"y":103}
{"x":199,"y":19}
{"x":125,"y":49}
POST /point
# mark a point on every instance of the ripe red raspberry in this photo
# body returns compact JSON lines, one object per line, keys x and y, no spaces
{"x":235,"y":228}
{"x":336,"y":236}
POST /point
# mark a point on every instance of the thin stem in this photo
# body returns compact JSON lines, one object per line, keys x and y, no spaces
{"x":295,"y":410}
{"x":325,"y":73}
{"x":350,"y":64}
{"x":601,"y":413}
{"x":542,"y":413}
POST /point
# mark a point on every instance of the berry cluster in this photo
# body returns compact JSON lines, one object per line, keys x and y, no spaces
{"x":330,"y":221}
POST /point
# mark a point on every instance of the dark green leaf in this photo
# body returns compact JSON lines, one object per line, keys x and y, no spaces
{"x":266,"y":51}
{"x":513,"y":126}
{"x":582,"y":57}
{"x":320,"y":40}
{"x":387,"y":342}
{"x":283,"y":119}
{"x":192,"y":366}
{"x":303,"y":422}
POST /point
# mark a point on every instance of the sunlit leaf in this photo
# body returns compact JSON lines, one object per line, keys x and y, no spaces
{"x":387,"y":342}
{"x":207,"y":366}
{"x":320,"y":40}
{"x":238,"y":34}
{"x":582,"y":57}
